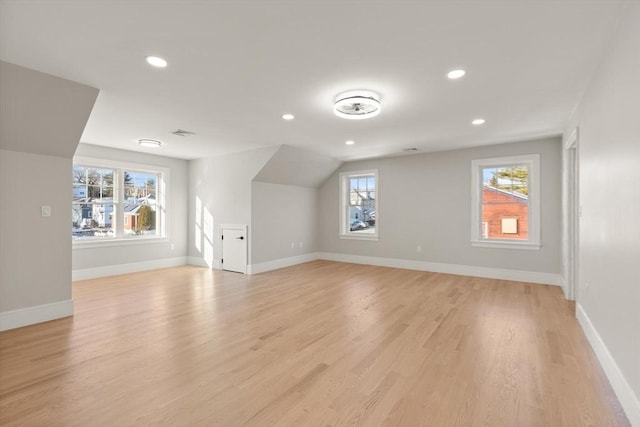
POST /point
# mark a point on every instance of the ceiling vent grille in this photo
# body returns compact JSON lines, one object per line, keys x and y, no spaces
{"x":182,"y":132}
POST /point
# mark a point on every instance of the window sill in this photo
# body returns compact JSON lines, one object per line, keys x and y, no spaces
{"x":359,"y":237}
{"x":89,"y":244}
{"x":505,"y":244}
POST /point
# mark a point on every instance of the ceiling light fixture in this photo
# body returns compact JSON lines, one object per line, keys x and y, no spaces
{"x":478,"y":122}
{"x":156,"y":61}
{"x":456,"y":74}
{"x":150,"y":143}
{"x":288,"y":116}
{"x":357,"y":105}
{"x":349,"y":142}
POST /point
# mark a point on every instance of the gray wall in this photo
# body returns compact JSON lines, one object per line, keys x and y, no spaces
{"x":426,"y":200}
{"x":94,"y":257}
{"x":35,"y":251}
{"x":220,"y":193}
{"x":609,"y":159}
{"x":40,"y":113}
{"x":282,"y":216}
{"x":41,"y":120}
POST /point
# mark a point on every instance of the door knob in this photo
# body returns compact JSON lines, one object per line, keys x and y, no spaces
{"x":240,"y":238}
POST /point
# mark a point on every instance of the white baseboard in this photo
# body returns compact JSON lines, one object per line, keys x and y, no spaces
{"x":112,"y":270}
{"x":437,"y":267}
{"x":36,"y":314}
{"x":197,"y":261}
{"x":628,"y":400}
{"x":281,"y":263}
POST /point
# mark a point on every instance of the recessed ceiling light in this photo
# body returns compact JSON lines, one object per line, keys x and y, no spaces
{"x":150,"y":143}
{"x":349,"y":142}
{"x":288,"y":116}
{"x":156,"y":61}
{"x":456,"y":74}
{"x":478,"y":122}
{"x":355,"y":105}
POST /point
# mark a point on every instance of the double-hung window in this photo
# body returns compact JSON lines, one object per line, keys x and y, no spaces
{"x":359,"y":217}
{"x":505,"y":210}
{"x":116,"y":201}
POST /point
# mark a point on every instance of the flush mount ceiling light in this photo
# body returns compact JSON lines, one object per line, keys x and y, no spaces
{"x":156,"y":61}
{"x":357,"y":105}
{"x":150,"y":143}
{"x":456,"y":74}
{"x":478,"y":122}
{"x":288,"y":116}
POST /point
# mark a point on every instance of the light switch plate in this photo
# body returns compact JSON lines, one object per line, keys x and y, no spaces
{"x":46,"y":210}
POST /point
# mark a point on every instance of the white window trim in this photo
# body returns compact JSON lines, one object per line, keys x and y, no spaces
{"x":163,"y":198}
{"x":532,"y":161}
{"x":343,"y":192}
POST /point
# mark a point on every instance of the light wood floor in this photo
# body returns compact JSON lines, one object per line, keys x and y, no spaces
{"x":321,"y":343}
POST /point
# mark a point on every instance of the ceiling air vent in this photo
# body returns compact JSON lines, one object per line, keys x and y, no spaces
{"x":182,"y":132}
{"x":408,"y":150}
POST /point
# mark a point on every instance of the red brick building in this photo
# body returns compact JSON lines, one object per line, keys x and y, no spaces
{"x":504,"y":215}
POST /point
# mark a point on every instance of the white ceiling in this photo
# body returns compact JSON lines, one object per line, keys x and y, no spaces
{"x":236,"y":67}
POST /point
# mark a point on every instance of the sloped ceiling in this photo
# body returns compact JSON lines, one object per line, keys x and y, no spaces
{"x":236,"y":66}
{"x":40,"y":113}
{"x":294,"y":166}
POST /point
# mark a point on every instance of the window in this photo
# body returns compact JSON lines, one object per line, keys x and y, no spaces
{"x":359,"y":205}
{"x":506,"y":202}
{"x":116,"y":201}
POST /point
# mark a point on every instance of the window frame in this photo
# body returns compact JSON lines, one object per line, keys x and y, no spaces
{"x":162,"y":216}
{"x":343,"y":191}
{"x":532,"y":161}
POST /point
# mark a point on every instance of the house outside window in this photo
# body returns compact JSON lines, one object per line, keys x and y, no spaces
{"x":359,"y":217}
{"x":114,"y":201}
{"x":506,"y":202}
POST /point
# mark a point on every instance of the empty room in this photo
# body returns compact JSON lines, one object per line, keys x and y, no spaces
{"x":319,"y":213}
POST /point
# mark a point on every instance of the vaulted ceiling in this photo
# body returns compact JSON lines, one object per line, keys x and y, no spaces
{"x":236,"y":67}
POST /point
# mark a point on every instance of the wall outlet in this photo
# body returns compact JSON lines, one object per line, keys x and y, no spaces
{"x":293,"y":245}
{"x":419,"y":249}
{"x":173,"y":246}
{"x":46,"y":210}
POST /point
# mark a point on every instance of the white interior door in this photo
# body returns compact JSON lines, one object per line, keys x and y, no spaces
{"x":234,"y":248}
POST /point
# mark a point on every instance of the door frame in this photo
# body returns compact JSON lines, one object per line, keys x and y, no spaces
{"x":572,"y":248}
{"x":242,"y":227}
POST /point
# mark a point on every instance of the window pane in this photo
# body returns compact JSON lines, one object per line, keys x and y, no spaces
{"x":505,"y":202}
{"x":139,"y":220}
{"x":362,"y":184}
{"x":362,"y":215}
{"x":140,"y":192}
{"x":92,"y":183}
{"x":91,"y":220}
{"x":371,"y":183}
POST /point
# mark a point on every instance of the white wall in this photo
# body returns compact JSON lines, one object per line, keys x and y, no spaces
{"x":220,"y":193}
{"x":99,"y":261}
{"x":609,"y":250}
{"x":283,"y":221}
{"x":425,"y":200}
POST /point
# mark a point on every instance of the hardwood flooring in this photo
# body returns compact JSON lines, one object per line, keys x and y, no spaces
{"x":319,"y":344}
